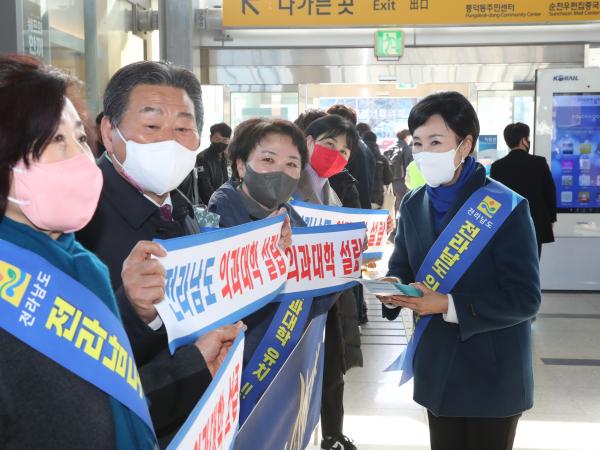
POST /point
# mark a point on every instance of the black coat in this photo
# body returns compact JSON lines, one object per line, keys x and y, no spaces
{"x":212,"y":172}
{"x":345,"y":186}
{"x":383,"y":173}
{"x":362,"y":167}
{"x":173,"y":384}
{"x":530,"y":176}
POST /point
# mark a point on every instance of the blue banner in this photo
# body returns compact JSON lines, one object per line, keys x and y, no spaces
{"x":278,"y":342}
{"x":220,"y":277}
{"x":463,"y":239}
{"x":288,"y":412}
{"x":62,"y":319}
{"x":323,"y":259}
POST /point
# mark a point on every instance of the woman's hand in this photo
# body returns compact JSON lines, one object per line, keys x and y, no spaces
{"x":431,"y":303}
{"x":285,"y":238}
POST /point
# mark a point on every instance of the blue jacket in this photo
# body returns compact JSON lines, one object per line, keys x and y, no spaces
{"x":481,"y":367}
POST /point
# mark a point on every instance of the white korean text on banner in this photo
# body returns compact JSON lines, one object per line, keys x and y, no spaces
{"x":320,"y":256}
{"x":220,"y":277}
{"x":213,"y":423}
{"x":375,"y":219}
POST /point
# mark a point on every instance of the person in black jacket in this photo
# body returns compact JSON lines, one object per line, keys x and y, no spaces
{"x":529,"y":176}
{"x":383,"y":173}
{"x":211,"y":164}
{"x":400,"y":158}
{"x":151,"y":127}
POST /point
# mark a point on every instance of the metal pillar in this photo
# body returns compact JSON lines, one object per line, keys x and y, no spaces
{"x":177,"y":32}
{"x":11,"y":27}
{"x":91,"y":55}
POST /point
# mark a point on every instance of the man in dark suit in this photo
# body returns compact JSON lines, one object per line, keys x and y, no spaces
{"x":151,"y":128}
{"x":529,"y":176}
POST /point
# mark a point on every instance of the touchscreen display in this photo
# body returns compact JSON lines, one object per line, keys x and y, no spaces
{"x":576,"y":151}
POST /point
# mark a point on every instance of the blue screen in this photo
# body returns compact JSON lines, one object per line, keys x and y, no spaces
{"x":576,"y":152}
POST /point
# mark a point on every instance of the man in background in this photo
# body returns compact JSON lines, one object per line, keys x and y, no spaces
{"x":529,"y":176}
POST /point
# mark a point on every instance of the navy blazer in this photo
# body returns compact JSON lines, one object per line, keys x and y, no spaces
{"x":482,"y":366}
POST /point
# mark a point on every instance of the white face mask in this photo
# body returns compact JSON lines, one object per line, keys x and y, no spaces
{"x":158,"y":167}
{"x":437,"y":168}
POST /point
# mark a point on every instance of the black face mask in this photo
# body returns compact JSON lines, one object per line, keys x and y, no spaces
{"x":218,"y":147}
{"x":269,"y":189}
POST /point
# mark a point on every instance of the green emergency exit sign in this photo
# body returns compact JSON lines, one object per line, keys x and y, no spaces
{"x":389,"y":43}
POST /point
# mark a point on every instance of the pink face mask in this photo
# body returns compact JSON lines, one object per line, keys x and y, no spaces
{"x":60,"y":196}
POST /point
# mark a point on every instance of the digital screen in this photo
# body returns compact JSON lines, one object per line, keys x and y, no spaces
{"x":576,"y":151}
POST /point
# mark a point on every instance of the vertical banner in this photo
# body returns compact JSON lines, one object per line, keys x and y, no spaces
{"x":288,"y":412}
{"x":375,"y":220}
{"x":213,"y":423}
{"x":220,"y":277}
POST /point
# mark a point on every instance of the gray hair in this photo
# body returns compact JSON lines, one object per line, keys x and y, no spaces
{"x":160,"y":73}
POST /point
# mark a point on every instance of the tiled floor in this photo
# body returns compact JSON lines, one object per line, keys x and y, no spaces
{"x":566,"y":415}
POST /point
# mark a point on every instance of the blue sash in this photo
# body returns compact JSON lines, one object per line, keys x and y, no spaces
{"x":457,"y":247}
{"x":62,"y":319}
{"x":281,"y":338}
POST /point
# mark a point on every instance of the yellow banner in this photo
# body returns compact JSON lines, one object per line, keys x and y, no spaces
{"x":347,"y":13}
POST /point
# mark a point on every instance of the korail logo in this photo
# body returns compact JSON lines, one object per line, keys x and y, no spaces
{"x":566,"y":78}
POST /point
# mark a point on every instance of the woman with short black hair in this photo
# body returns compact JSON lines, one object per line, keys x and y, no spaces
{"x":472,"y":365}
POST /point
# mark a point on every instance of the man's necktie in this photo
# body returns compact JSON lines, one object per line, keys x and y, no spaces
{"x":166,"y":213}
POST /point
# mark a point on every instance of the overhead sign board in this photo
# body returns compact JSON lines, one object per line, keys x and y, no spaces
{"x":389,"y":43}
{"x":347,"y":13}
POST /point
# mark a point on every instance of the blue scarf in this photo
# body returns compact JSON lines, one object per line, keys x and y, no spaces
{"x":68,"y":255}
{"x":443,"y":197}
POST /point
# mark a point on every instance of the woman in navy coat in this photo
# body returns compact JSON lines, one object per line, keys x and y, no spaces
{"x":473,"y":364}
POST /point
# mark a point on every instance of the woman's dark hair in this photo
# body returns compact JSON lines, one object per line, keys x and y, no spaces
{"x":32,"y":97}
{"x":455,"y":109}
{"x":308,"y":117}
{"x":250,"y":133}
{"x":332,"y":126}
{"x":514,"y":132}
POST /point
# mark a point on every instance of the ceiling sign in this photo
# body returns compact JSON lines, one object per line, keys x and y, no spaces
{"x":377,"y":13}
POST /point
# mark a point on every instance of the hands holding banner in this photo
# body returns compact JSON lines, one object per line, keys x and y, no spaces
{"x":144,"y":278}
{"x":285,"y":237}
{"x":215,"y":344}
